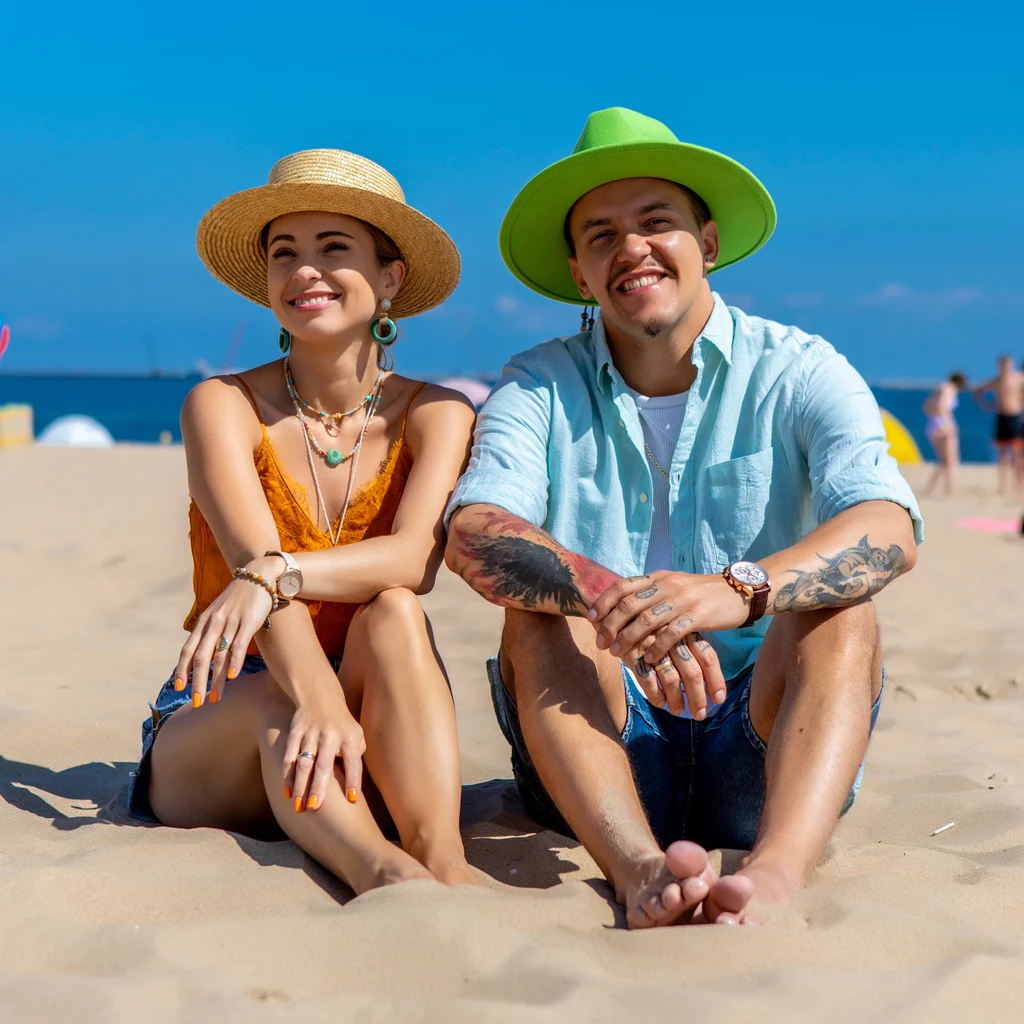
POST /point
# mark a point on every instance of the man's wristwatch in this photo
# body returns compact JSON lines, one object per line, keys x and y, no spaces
{"x":289,"y":583}
{"x":752,"y":581}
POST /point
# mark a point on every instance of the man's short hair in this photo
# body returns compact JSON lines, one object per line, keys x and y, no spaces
{"x":701,"y":213}
{"x":959,"y":380}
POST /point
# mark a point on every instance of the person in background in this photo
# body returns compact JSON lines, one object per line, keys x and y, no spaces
{"x":942,"y":431}
{"x":318,"y":483}
{"x":1007,"y":389}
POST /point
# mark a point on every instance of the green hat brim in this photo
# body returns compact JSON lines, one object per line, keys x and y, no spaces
{"x":532,"y":242}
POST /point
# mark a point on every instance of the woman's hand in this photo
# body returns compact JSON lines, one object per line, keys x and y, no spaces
{"x":653,"y":624}
{"x":236,"y":615}
{"x":322,"y":730}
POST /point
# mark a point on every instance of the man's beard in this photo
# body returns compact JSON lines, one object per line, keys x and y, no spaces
{"x":654,"y":327}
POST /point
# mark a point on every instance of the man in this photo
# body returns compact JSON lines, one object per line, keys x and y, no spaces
{"x":1007,"y":387}
{"x":651,"y":710}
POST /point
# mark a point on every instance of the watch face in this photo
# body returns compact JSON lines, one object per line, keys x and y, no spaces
{"x":289,"y":584}
{"x":749,"y":573}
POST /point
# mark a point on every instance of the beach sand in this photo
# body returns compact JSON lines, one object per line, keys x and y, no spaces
{"x":105,"y":920}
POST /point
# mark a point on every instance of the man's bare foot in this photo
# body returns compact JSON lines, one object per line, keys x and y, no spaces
{"x":666,"y":888}
{"x":734,"y":899}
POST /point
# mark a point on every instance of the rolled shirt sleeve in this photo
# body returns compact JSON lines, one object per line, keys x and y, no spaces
{"x":508,"y":466}
{"x":840,"y":430}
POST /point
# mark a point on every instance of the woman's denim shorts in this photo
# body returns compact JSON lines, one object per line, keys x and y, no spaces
{"x":168,"y":700}
{"x":702,"y":781}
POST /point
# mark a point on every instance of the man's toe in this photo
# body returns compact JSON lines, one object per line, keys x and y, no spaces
{"x":685,"y":859}
{"x":727,"y":899}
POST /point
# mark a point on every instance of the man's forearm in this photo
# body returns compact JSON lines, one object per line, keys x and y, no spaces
{"x":514,"y":564}
{"x":846,"y":560}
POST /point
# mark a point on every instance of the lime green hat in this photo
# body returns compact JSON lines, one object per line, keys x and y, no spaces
{"x":619,"y":143}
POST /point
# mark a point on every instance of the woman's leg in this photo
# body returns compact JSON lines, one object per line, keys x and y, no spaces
{"x":952,"y":461}
{"x":219,"y":766}
{"x":397,"y":688}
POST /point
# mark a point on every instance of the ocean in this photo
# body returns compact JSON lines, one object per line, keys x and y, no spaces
{"x":140,"y":408}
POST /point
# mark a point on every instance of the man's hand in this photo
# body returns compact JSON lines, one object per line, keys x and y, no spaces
{"x":645,"y":619}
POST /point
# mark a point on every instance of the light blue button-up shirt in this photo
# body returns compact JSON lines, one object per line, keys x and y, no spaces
{"x":780,"y":434}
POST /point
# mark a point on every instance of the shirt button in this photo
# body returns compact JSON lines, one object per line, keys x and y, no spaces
{"x":643,"y":498}
{"x":622,"y":423}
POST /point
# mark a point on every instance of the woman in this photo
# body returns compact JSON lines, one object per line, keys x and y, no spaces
{"x":941,"y":430}
{"x":318,"y":483}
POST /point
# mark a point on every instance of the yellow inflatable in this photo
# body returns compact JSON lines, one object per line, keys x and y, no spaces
{"x":902,"y":447}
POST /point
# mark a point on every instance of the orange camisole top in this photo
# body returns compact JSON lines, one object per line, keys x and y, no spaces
{"x":371,"y":513}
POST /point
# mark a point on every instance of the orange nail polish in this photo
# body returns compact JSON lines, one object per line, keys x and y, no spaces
{"x":353,"y":795}
{"x":179,"y":684}
{"x":232,"y":672}
{"x":196,"y":700}
{"x":287,"y":792}
{"x":298,"y":803}
{"x":214,"y":696}
{"x":314,"y":802}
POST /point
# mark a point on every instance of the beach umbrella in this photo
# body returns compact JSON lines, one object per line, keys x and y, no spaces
{"x":76,"y":432}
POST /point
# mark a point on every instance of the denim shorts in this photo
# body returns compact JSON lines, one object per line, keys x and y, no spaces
{"x":702,"y":781}
{"x":168,"y":700}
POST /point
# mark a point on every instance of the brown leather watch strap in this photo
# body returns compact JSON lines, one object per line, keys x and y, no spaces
{"x":758,"y":604}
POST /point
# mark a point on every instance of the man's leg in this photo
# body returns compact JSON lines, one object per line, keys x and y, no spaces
{"x":815,"y":680}
{"x":572,"y":710}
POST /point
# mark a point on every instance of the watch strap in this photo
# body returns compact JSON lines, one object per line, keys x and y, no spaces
{"x":758,"y":604}
{"x":289,"y":561}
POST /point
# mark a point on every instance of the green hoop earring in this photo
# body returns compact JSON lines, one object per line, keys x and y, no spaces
{"x":284,"y":342}
{"x":391,"y":328}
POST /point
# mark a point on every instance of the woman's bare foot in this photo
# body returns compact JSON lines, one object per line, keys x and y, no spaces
{"x":445,"y":861}
{"x":668,"y":887}
{"x":734,"y":899}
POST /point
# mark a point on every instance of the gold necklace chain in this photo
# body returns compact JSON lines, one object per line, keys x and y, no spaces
{"x":651,"y":456}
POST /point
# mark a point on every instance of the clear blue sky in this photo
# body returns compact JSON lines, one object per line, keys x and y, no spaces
{"x":890,"y":136}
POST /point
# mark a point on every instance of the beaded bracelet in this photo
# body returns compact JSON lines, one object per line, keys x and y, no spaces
{"x":260,"y":581}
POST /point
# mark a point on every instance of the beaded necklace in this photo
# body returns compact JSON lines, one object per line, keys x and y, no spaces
{"x":331,"y":420}
{"x":332,"y":456}
{"x":311,"y":444}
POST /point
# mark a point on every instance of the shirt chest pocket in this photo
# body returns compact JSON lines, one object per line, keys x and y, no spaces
{"x":736,"y":506}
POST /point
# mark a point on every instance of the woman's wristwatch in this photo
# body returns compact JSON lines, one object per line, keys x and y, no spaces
{"x":289,"y":583}
{"x":749,"y":579}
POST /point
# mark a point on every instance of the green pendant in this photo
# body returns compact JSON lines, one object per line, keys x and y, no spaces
{"x":334,"y":457}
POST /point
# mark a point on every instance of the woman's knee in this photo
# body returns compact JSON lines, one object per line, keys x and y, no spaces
{"x":391,"y":616}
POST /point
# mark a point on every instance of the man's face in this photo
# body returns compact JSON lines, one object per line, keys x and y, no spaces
{"x":640,"y":254}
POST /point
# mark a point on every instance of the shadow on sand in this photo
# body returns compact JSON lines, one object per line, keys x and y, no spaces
{"x":501,"y":840}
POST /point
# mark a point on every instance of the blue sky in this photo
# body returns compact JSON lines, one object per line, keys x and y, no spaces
{"x":890,"y":136}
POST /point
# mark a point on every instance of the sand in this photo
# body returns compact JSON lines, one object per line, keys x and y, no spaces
{"x":105,"y":920}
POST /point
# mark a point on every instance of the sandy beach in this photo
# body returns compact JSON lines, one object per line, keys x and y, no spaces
{"x":102,"y":919}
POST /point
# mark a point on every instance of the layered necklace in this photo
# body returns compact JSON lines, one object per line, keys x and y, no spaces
{"x":332,"y":456}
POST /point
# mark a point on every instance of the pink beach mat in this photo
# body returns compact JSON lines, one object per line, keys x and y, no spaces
{"x":990,"y":525}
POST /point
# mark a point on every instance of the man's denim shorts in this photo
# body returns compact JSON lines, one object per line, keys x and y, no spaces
{"x":702,"y":781}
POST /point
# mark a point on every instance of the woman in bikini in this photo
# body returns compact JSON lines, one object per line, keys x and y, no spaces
{"x":942,"y":431}
{"x":309,"y":698}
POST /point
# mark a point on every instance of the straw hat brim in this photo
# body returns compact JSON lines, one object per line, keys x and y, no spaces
{"x":228,"y":239}
{"x":532,"y":241}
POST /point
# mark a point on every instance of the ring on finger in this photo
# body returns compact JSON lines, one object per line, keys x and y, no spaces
{"x":223,"y":644}
{"x":664,"y":664}
{"x":306,"y":753}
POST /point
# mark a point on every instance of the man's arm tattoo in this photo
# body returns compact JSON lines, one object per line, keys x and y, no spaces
{"x":521,"y":571}
{"x":852,"y":575}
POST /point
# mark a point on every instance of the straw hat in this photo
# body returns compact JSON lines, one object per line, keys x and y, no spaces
{"x":619,"y":143}
{"x":331,"y":181}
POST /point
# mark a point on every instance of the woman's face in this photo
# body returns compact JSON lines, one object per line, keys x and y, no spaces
{"x":323,"y":275}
